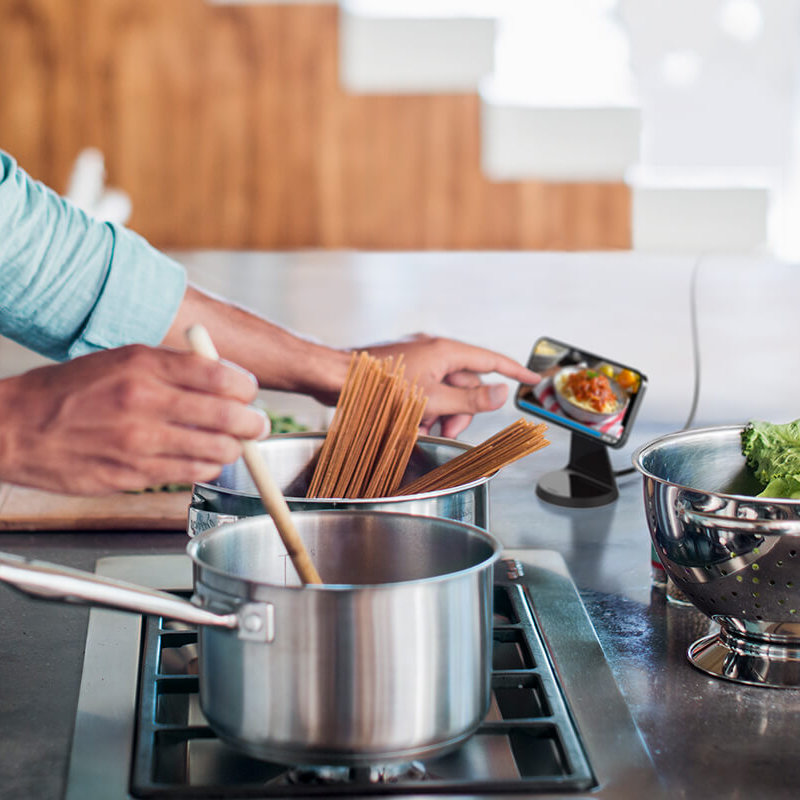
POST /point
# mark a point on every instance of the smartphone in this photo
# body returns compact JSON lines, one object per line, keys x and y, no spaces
{"x":589,"y":394}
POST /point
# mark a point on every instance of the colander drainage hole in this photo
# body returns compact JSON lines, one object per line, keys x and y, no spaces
{"x":779,"y":563}
{"x":771,"y":582}
{"x":789,"y":584}
{"x":733,"y":594}
{"x":793,"y":553}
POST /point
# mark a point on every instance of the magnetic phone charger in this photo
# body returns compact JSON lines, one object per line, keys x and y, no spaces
{"x":588,"y":479}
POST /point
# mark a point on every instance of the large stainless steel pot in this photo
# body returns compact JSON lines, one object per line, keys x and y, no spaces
{"x":290,"y":458}
{"x":736,"y":556}
{"x":389,"y":660}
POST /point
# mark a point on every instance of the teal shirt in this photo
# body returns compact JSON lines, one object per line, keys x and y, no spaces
{"x":69,"y":284}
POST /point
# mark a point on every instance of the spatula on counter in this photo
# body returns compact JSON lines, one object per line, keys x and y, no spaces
{"x":271,"y":496}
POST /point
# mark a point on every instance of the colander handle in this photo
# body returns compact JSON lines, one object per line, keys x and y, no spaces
{"x":770,"y":526}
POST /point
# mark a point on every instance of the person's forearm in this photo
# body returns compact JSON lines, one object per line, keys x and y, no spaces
{"x":448,"y":372}
{"x":279,"y":358}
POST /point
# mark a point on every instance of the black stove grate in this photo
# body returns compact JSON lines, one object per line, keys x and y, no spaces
{"x":527,"y":743}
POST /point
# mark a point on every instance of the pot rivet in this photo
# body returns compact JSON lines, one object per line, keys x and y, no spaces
{"x":252,"y":623}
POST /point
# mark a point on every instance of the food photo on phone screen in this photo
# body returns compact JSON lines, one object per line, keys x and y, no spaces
{"x":595,"y":397}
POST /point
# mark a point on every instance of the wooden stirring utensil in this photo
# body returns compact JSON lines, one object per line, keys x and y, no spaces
{"x":271,"y":496}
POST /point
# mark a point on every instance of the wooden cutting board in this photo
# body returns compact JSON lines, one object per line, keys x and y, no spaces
{"x":23,"y":509}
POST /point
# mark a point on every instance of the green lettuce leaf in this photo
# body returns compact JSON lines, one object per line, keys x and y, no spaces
{"x":782,"y":487}
{"x":772,"y":451}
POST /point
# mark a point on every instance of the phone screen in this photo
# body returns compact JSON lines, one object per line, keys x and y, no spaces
{"x":595,"y":396}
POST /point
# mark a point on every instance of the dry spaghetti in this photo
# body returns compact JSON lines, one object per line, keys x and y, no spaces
{"x":374,"y":430}
{"x":519,"y":439}
{"x":372,"y":434}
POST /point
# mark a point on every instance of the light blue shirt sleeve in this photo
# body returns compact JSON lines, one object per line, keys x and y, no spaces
{"x":69,"y":284}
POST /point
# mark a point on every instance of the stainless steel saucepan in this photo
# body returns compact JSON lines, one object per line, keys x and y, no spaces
{"x":290,"y":458}
{"x":389,"y":660}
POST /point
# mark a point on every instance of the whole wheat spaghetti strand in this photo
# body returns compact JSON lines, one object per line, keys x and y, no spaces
{"x":512,"y":443}
{"x":337,"y":457}
{"x":476,"y":455}
{"x":397,"y":447}
{"x":485,"y":467}
{"x":407,"y":442}
{"x":341,"y":430}
{"x":376,"y":420}
{"x":326,"y":450}
{"x":372,"y":433}
{"x":396,"y":409}
{"x":358,"y":431}
{"x":369,"y":454}
{"x":381,"y":422}
{"x":354,"y":431}
{"x":463,"y":477}
{"x":390,"y":428}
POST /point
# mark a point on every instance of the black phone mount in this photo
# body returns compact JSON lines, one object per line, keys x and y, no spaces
{"x":587,"y":480}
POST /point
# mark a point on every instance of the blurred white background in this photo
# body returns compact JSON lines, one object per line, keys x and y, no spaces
{"x":716,"y":81}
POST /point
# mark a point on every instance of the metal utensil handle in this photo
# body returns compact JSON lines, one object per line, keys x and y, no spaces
{"x":769,"y":526}
{"x":53,"y":582}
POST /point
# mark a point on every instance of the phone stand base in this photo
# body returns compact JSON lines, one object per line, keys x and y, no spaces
{"x":587,"y":480}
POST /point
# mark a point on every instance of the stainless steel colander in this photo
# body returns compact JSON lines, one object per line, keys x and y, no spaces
{"x":736,"y":556}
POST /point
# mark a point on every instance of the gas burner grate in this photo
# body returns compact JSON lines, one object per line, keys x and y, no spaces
{"x":527,"y":743}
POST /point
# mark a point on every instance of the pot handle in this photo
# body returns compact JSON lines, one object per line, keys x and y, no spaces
{"x":739,"y":524}
{"x":254,"y":621}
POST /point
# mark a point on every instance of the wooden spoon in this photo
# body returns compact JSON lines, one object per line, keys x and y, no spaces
{"x":271,"y":496}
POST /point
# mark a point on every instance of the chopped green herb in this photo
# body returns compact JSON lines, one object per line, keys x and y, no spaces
{"x":285,"y":423}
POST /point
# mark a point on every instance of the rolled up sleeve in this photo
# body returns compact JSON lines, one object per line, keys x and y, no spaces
{"x":70,"y":284}
{"x":139,"y":299}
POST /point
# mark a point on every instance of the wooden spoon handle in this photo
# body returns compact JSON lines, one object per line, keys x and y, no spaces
{"x":271,"y":496}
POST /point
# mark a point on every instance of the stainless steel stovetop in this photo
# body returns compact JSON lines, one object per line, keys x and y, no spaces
{"x":557,"y":726}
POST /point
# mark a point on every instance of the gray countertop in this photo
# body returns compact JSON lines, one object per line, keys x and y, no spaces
{"x":707,"y":737}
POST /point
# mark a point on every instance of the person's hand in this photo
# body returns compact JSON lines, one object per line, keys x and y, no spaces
{"x":124,"y":419}
{"x":450,"y":372}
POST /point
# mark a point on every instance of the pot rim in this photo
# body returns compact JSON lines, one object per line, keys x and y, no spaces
{"x":690,"y":433}
{"x":327,"y":501}
{"x":487,"y":537}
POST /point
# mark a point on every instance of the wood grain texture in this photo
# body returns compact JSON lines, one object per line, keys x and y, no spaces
{"x":229,"y":129}
{"x":24,"y":509}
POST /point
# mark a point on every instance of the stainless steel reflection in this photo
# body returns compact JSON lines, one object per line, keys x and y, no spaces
{"x":290,"y":458}
{"x":102,"y":756}
{"x":53,"y":582}
{"x":736,"y":556}
{"x":389,"y":660}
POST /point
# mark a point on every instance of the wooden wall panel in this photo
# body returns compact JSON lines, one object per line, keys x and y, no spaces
{"x":228,"y":127}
